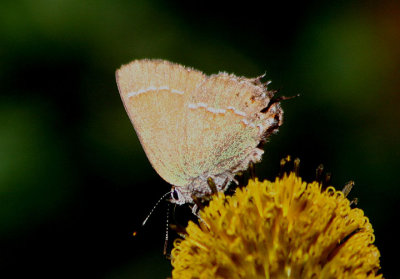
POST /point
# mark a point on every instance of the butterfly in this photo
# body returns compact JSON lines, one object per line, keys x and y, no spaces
{"x":196,"y":128}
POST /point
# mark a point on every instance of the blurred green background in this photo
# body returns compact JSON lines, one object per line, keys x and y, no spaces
{"x":74,"y":180}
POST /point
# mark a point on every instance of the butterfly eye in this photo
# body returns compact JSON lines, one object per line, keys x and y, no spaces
{"x":175,"y":195}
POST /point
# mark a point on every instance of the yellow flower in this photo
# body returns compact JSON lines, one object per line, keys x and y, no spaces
{"x":281,"y":229}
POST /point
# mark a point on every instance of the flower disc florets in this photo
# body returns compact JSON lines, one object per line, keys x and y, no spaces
{"x":282,"y":229}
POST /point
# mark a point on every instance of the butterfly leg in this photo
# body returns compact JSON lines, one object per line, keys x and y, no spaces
{"x":211,"y":184}
{"x":197,"y":205}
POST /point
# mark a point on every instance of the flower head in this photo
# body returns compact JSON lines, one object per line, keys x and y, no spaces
{"x":282,"y":229}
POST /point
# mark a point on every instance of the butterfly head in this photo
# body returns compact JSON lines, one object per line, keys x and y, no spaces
{"x":180,"y":196}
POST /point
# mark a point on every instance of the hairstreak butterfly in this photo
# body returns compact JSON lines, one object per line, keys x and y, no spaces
{"x":194,"y":127}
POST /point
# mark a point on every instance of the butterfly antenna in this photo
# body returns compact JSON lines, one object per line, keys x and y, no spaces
{"x":166,"y":231}
{"x":154,"y":207}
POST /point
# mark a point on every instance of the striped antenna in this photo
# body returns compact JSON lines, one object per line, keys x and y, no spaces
{"x":166,"y":231}
{"x":154,"y":207}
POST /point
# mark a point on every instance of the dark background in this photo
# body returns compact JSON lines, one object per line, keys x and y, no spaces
{"x":74,"y":180}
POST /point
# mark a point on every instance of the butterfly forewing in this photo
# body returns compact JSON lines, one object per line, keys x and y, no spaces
{"x":154,"y":94}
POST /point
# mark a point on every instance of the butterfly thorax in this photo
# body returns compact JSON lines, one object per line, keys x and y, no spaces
{"x":200,"y":188}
